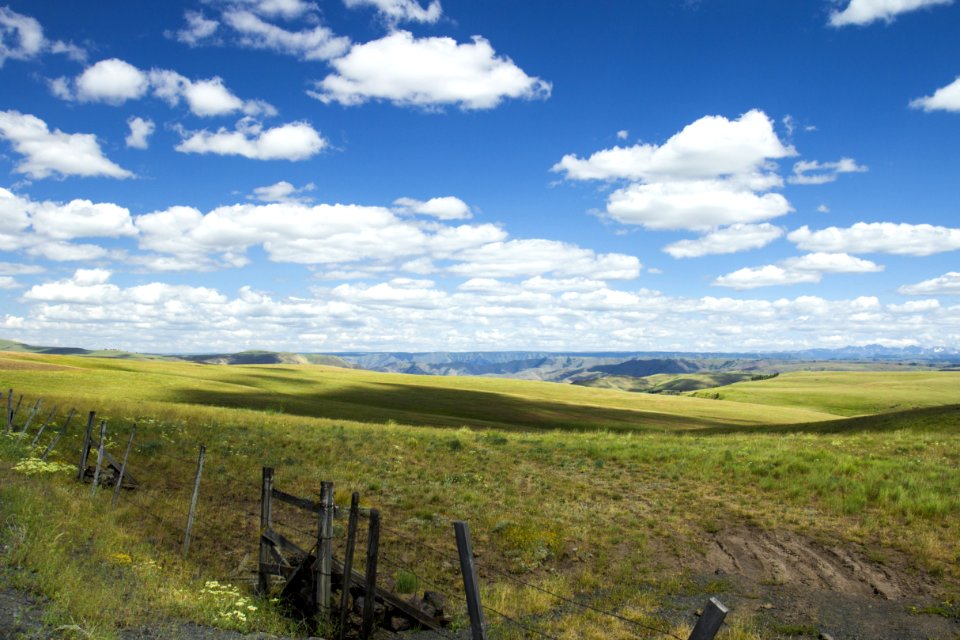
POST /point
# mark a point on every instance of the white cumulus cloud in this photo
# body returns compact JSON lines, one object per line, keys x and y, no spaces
{"x":879,"y":237}
{"x":797,"y":270}
{"x":731,"y":239}
{"x":21,"y":38}
{"x":395,"y":11}
{"x":444,"y":208}
{"x":695,"y":205}
{"x":140,"y":132}
{"x":427,"y":72}
{"x":946,"y":285}
{"x":861,"y":12}
{"x":198,"y":28}
{"x":315,"y":43}
{"x":710,"y":147}
{"x":283,"y":191}
{"x":714,"y":172}
{"x":292,"y":141}
{"x":113,"y":81}
{"x":116,"y":81}
{"x":814,"y":172}
{"x":46,"y":153}
{"x":943,"y":99}
{"x":531,"y":257}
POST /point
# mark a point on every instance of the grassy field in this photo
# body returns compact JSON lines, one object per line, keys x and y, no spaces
{"x":668,"y":382}
{"x":847,"y":394}
{"x":607,"y":496}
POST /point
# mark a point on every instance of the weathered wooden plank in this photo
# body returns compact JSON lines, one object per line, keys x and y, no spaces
{"x":392,"y":599}
{"x":123,"y":466}
{"x":85,"y":449}
{"x":15,"y":410}
{"x":42,"y":427}
{"x":96,"y":473}
{"x":114,"y":464}
{"x":26,"y":425}
{"x":276,"y":569}
{"x":308,"y":505}
{"x":280,"y":540}
{"x":302,"y":503}
{"x":59,"y":435}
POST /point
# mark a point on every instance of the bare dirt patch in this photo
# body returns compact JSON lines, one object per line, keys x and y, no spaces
{"x":797,"y":587}
{"x":786,"y":558}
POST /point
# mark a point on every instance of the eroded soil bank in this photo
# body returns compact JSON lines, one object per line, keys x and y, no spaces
{"x":797,"y":587}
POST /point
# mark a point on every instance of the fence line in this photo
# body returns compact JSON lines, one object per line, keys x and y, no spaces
{"x":165,"y":487}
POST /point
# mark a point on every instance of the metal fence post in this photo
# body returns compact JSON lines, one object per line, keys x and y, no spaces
{"x":709,"y":623}
{"x":478,"y":625}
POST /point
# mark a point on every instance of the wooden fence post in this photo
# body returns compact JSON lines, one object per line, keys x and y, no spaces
{"x":266,"y":506}
{"x":123,"y":467}
{"x":370,"y":583}
{"x":348,"y":561}
{"x":96,"y":473}
{"x":43,"y":426}
{"x":193,"y":502}
{"x":709,"y":623}
{"x":471,"y":589}
{"x":324,"y":565}
{"x":60,"y":433}
{"x":26,"y":425}
{"x":85,"y":451}
{"x":16,"y":409}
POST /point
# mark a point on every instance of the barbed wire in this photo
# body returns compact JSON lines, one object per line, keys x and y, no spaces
{"x":520,"y":624}
{"x":582,"y":605}
{"x":420,"y":579}
{"x":187,"y":460}
{"x":412,"y":539}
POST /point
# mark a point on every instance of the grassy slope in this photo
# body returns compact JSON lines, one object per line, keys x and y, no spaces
{"x":848,"y":393}
{"x":328,"y":392}
{"x":675,"y":383}
{"x":533,"y":498}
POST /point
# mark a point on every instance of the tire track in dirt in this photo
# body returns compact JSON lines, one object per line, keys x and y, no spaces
{"x":785,"y":558}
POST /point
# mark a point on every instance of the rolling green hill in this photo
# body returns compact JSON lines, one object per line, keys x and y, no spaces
{"x":620,"y":500}
{"x":329,"y":392}
{"x":845,"y":393}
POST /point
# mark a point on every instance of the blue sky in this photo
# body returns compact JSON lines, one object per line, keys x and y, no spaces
{"x":217,"y":175}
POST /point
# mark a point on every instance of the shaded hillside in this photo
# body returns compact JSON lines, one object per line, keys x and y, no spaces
{"x":665,"y":383}
{"x":643,"y":368}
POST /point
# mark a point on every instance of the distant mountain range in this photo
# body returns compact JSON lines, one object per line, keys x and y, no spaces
{"x":582,"y":368}
{"x":652,"y":372}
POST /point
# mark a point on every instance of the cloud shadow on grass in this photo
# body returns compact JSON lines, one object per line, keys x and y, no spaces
{"x":408,"y":404}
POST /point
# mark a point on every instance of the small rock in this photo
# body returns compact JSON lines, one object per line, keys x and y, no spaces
{"x":824,"y":636}
{"x":766,"y":605}
{"x":436,"y":601}
{"x":399,"y":624}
